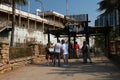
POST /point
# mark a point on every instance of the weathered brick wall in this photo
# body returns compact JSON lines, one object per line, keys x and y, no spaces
{"x":38,"y":59}
{"x":13,"y":64}
{"x":4,"y":52}
{"x":6,"y":65}
{"x":4,"y":56}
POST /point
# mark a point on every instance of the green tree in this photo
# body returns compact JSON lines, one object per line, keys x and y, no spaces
{"x":108,"y":6}
{"x":14,"y":2}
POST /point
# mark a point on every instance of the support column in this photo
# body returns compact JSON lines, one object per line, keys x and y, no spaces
{"x":74,"y":38}
{"x":57,"y":37}
{"x":35,"y":50}
{"x":68,"y":39}
{"x":48,"y":34}
{"x":107,"y":42}
{"x":87,"y":31}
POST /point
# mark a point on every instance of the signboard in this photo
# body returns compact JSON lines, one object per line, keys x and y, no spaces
{"x":79,"y":17}
{"x":76,"y":28}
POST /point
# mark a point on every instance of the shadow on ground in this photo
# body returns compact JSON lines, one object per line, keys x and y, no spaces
{"x":102,"y":70}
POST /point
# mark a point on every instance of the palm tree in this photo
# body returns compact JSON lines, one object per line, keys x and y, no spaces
{"x":14,"y":2}
{"x":108,"y":6}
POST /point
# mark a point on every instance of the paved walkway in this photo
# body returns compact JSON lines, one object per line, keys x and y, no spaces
{"x":101,"y":69}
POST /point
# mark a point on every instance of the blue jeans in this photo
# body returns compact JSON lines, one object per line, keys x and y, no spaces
{"x":56,"y":56}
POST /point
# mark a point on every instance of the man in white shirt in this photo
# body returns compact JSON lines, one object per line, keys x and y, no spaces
{"x":57,"y":50}
{"x":65,"y":51}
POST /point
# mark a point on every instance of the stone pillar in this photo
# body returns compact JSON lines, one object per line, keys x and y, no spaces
{"x":4,"y":52}
{"x":35,"y":50}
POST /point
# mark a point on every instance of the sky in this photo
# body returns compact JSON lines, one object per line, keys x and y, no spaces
{"x":74,"y":7}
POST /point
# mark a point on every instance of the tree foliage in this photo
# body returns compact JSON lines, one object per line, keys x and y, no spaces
{"x":108,"y":6}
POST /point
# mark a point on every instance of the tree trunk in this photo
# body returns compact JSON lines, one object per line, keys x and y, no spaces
{"x":13,"y":23}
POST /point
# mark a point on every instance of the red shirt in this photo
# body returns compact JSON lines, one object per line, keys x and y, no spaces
{"x":76,"y":46}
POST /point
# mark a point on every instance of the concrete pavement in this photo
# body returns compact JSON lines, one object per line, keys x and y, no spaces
{"x":100,"y":69}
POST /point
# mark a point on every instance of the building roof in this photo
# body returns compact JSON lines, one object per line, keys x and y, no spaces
{"x":8,"y":9}
{"x":48,"y":13}
{"x":54,"y":13}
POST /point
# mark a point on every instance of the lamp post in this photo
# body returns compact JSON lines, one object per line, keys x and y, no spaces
{"x":66,"y":7}
{"x":42,"y":16}
{"x":28,"y":6}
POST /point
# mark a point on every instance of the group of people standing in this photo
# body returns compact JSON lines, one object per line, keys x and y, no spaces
{"x":56,"y":52}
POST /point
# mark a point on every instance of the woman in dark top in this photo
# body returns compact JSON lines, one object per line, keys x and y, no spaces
{"x":49,"y":52}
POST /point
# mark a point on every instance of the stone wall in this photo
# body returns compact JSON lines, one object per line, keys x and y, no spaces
{"x":38,"y":59}
{"x":4,"y":52}
{"x":7,"y":65}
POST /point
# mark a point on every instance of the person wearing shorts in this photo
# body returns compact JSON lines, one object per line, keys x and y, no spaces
{"x":65,"y":52}
{"x":57,"y":51}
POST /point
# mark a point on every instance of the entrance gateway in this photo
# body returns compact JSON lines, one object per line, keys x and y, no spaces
{"x":78,"y":29}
